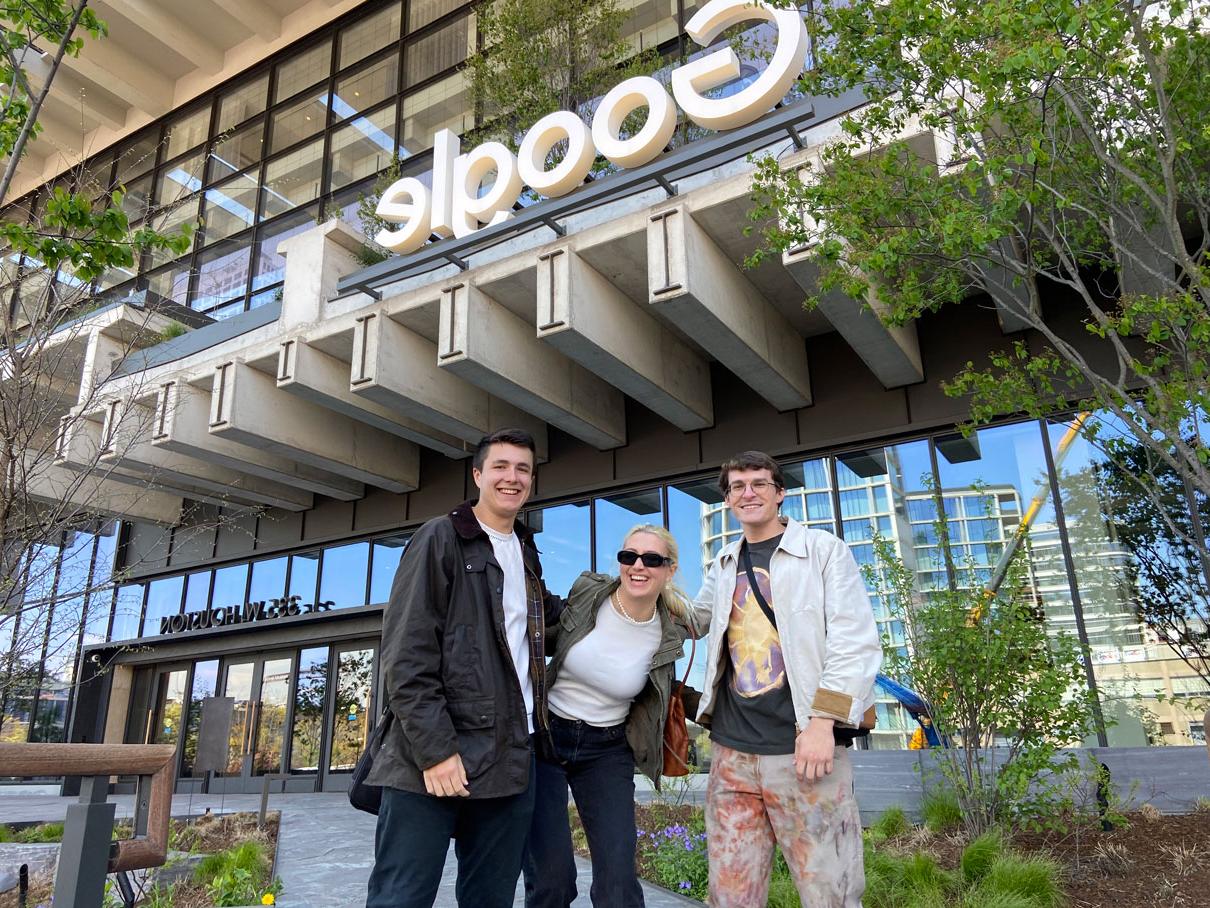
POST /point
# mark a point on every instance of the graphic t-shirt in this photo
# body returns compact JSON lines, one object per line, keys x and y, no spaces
{"x":754,"y":713}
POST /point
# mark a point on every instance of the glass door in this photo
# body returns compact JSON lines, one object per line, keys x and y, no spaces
{"x":260,"y":689}
{"x":353,"y":712}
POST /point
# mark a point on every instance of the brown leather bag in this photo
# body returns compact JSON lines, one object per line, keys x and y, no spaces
{"x":676,"y":734}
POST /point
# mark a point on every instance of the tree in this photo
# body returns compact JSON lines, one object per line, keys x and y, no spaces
{"x":60,"y":346}
{"x":1066,"y":180}
{"x":1005,"y":695}
{"x":537,"y":57}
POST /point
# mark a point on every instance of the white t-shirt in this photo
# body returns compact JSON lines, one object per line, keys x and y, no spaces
{"x":507,"y":548}
{"x":603,"y":673}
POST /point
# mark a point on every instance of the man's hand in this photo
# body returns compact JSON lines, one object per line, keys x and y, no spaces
{"x":813,"y":750}
{"x":447,"y":778}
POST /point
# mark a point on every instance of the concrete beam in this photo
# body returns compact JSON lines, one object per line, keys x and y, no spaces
{"x":489,"y":346}
{"x":397,"y":368}
{"x":323,"y":379}
{"x":96,"y":494}
{"x":247,"y":407}
{"x":124,"y":75}
{"x":585,"y":317}
{"x":255,"y":15}
{"x":1008,"y":291}
{"x":155,"y":19}
{"x":183,"y":425}
{"x":693,"y":285}
{"x":315,"y":260}
{"x":129,"y":445}
{"x":1145,"y":267}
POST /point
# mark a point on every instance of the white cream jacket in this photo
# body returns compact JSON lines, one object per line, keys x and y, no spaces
{"x":829,"y":639}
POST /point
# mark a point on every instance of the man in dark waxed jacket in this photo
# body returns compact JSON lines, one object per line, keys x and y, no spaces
{"x":463,"y":650}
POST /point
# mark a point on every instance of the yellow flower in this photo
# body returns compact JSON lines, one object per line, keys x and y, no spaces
{"x":267,"y":899}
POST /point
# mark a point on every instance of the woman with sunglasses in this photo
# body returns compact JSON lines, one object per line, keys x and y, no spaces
{"x":610,"y":677}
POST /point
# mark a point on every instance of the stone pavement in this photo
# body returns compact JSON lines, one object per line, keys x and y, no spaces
{"x":325,"y":850}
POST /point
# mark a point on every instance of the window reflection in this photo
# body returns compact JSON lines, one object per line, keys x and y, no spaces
{"x":127,"y":609}
{"x":366,"y":87}
{"x":197,"y":591}
{"x":343,"y":581}
{"x":361,"y":39}
{"x":438,"y":50}
{"x":268,"y":580}
{"x":441,"y":105}
{"x":243,"y":102}
{"x":230,"y":584}
{"x":308,"y":68}
{"x":163,"y":599}
{"x":169,"y":708}
{"x":205,"y":678}
{"x":616,"y":515}
{"x":223,"y":273}
{"x":562,"y":535}
{"x":292,"y":179}
{"x":230,"y":207}
{"x":351,"y":714}
{"x":271,"y":716}
{"x":385,"y":561}
{"x":363,"y":147}
{"x":187,"y":132}
{"x":309,"y":700}
{"x":271,"y":264}
{"x":298,"y":121}
{"x":304,"y":574}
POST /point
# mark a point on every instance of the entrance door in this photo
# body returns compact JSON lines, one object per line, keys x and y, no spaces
{"x":260,"y":687}
{"x":352,"y":712}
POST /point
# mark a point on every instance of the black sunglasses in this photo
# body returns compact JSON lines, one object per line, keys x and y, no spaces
{"x":650,"y":559}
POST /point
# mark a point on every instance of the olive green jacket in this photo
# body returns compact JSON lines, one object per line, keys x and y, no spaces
{"x":645,"y":723}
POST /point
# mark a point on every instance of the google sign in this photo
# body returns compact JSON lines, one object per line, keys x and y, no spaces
{"x":454,"y":206}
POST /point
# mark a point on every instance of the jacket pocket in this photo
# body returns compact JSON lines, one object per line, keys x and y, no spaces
{"x":475,"y":726}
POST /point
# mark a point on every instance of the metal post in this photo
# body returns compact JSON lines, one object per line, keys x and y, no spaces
{"x":84,"y":855}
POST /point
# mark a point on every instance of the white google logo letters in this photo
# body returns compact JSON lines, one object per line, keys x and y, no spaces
{"x":454,"y":206}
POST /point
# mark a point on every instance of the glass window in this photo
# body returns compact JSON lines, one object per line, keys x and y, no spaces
{"x":363,"y":147}
{"x":171,"y":283}
{"x":302,"y":71}
{"x":292,"y":179}
{"x":298,"y":121}
{"x":422,"y":12}
{"x":230,"y":207}
{"x":242,"y":102}
{"x":649,"y":23}
{"x":75,"y":565}
{"x":62,"y":646}
{"x":272,"y":295}
{"x":268,"y":580}
{"x":136,"y":201}
{"x":271,"y":266}
{"x":230,"y":585}
{"x":236,"y":151}
{"x":174,"y":220}
{"x":169,"y":707}
{"x":309,"y":701}
{"x":205,"y":679}
{"x":41,"y":565}
{"x":438,"y":50}
{"x":96,"y":625}
{"x":197,"y":591}
{"x":615,"y":516}
{"x":187,"y":132}
{"x":368,"y":86}
{"x":271,"y":716}
{"x":442,"y":105}
{"x":163,"y":599}
{"x":359,"y":40}
{"x":694,"y":515}
{"x":385,"y":561}
{"x":139,"y":156}
{"x":351,"y":715}
{"x":304,"y":573}
{"x":179,"y":179}
{"x":127,"y":609}
{"x":343,"y":581}
{"x":562,"y":535}
{"x":222,"y":273}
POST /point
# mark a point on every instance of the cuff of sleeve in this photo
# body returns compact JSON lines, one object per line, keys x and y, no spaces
{"x":832,"y":704}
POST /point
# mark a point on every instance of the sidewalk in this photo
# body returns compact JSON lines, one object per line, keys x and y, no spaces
{"x":325,"y":847}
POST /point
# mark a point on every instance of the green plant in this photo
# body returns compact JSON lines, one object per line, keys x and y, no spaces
{"x":160,"y":897}
{"x":1033,"y":878}
{"x":892,"y":823}
{"x":979,"y":855}
{"x":915,"y":880}
{"x":237,"y":876}
{"x":6,"y":834}
{"x":172,"y":330}
{"x":43,"y":832}
{"x":678,"y":856}
{"x":1007,"y":694}
{"x":941,"y":811}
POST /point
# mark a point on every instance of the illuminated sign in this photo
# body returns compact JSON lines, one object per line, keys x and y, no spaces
{"x":455,"y":205}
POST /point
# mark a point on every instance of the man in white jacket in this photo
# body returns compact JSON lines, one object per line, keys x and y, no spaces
{"x":791,"y":667}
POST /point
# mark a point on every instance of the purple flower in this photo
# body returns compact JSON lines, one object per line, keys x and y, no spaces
{"x":685,"y":884}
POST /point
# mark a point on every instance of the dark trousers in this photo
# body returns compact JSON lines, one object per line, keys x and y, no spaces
{"x":598,"y":765}
{"x":413,"y":838}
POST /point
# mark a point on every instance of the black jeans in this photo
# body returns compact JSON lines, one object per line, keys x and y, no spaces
{"x":599,"y":766}
{"x":413,"y":839}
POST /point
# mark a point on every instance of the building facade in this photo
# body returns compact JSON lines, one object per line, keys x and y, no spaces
{"x":321,"y":409}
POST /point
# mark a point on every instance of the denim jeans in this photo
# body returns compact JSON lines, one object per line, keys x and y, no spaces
{"x":413,"y":839}
{"x":598,"y":765}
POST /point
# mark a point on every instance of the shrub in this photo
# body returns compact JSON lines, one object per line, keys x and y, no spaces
{"x":678,"y":857}
{"x":940,"y":811}
{"x":979,"y":856}
{"x":892,"y":823}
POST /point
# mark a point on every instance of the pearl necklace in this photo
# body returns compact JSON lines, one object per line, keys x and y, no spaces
{"x":625,"y":615}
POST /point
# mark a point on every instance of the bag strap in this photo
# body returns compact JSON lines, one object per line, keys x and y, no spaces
{"x":754,"y":586}
{"x":692,"y":654}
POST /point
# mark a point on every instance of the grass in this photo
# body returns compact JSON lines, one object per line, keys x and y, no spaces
{"x":32,"y":835}
{"x":891,"y":824}
{"x":979,"y":856}
{"x":940,"y":811}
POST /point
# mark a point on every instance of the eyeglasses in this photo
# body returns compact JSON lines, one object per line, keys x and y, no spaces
{"x":649,"y":559}
{"x":758,"y":486}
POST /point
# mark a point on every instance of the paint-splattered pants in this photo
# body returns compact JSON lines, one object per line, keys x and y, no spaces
{"x":753,"y":802}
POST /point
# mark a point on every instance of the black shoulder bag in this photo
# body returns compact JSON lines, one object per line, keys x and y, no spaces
{"x":845,"y":735}
{"x":362,"y":796}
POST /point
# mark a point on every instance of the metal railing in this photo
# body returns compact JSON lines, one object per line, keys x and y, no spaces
{"x":88,"y":852}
